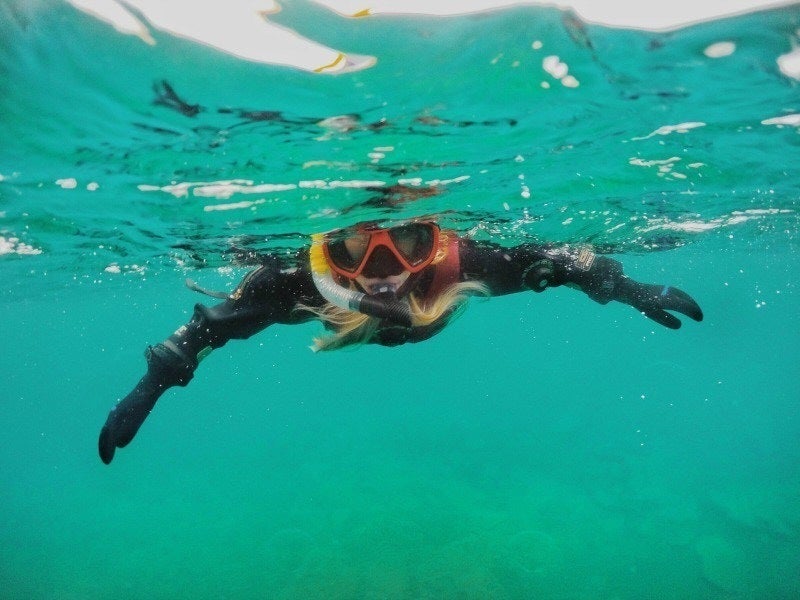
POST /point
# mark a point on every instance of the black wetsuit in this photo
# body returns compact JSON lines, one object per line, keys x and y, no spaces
{"x":270,"y":294}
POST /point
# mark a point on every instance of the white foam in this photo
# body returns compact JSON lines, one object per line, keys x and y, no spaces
{"x":789,"y":63}
{"x":554,"y":66}
{"x":668,"y":129}
{"x":68,"y":183}
{"x":720,"y":49}
{"x":13,"y":245}
{"x":226,"y":190}
{"x":792,"y":120}
{"x":217,"y":189}
{"x":233,"y":205}
{"x":699,"y":226}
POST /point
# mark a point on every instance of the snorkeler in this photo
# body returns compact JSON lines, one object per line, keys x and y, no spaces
{"x":382,"y":286}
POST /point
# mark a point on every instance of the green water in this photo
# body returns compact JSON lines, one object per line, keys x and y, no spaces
{"x":542,"y":446}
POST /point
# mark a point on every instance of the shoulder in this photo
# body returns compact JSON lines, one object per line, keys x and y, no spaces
{"x":276,"y":281}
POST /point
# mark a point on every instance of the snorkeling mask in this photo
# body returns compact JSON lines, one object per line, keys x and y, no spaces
{"x":413,"y":245}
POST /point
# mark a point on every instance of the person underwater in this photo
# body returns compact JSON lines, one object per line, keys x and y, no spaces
{"x":388,"y":286}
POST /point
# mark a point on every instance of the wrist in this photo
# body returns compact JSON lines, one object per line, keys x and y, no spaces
{"x":166,"y":368}
{"x":606,"y":280}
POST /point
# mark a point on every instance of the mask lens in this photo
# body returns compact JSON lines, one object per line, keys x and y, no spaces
{"x":415,"y":242}
{"x":348,"y":253}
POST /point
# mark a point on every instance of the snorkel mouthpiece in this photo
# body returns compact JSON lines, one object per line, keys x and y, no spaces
{"x":393,"y":310}
{"x":386,"y":307}
{"x":380,"y":306}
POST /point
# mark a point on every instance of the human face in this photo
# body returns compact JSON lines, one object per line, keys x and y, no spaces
{"x":381,"y":260}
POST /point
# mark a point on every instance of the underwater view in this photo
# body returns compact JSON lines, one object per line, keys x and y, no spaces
{"x":542,"y":445}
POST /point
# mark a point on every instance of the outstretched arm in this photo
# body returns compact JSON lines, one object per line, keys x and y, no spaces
{"x":266,"y":296}
{"x":537,"y":267}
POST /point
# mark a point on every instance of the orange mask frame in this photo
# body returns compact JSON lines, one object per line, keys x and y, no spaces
{"x":414,"y":250}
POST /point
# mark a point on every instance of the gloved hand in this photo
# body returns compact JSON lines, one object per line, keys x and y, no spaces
{"x":127,"y":416}
{"x":653,"y":301}
{"x":164,"y":370}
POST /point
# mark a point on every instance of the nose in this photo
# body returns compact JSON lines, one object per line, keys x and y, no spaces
{"x":382,"y":263}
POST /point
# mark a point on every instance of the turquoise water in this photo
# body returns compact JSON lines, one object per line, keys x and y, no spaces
{"x":542,"y":446}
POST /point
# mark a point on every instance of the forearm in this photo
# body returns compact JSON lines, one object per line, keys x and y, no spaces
{"x":266,"y":296}
{"x":537,"y":267}
{"x":597,"y":276}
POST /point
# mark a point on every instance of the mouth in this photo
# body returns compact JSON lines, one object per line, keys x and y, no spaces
{"x":382,"y":288}
{"x":382,"y":285}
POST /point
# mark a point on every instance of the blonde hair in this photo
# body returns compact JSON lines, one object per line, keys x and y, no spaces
{"x":353,"y":328}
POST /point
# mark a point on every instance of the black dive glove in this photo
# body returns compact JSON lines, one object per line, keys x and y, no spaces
{"x":653,"y":301}
{"x":602,"y":279}
{"x":164,"y":370}
{"x":606,"y":282}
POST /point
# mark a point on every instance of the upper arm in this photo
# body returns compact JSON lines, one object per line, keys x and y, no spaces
{"x":503,"y":270}
{"x":266,"y":296}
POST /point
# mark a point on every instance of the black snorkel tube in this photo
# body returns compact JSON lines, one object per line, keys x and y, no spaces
{"x":378,"y":306}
